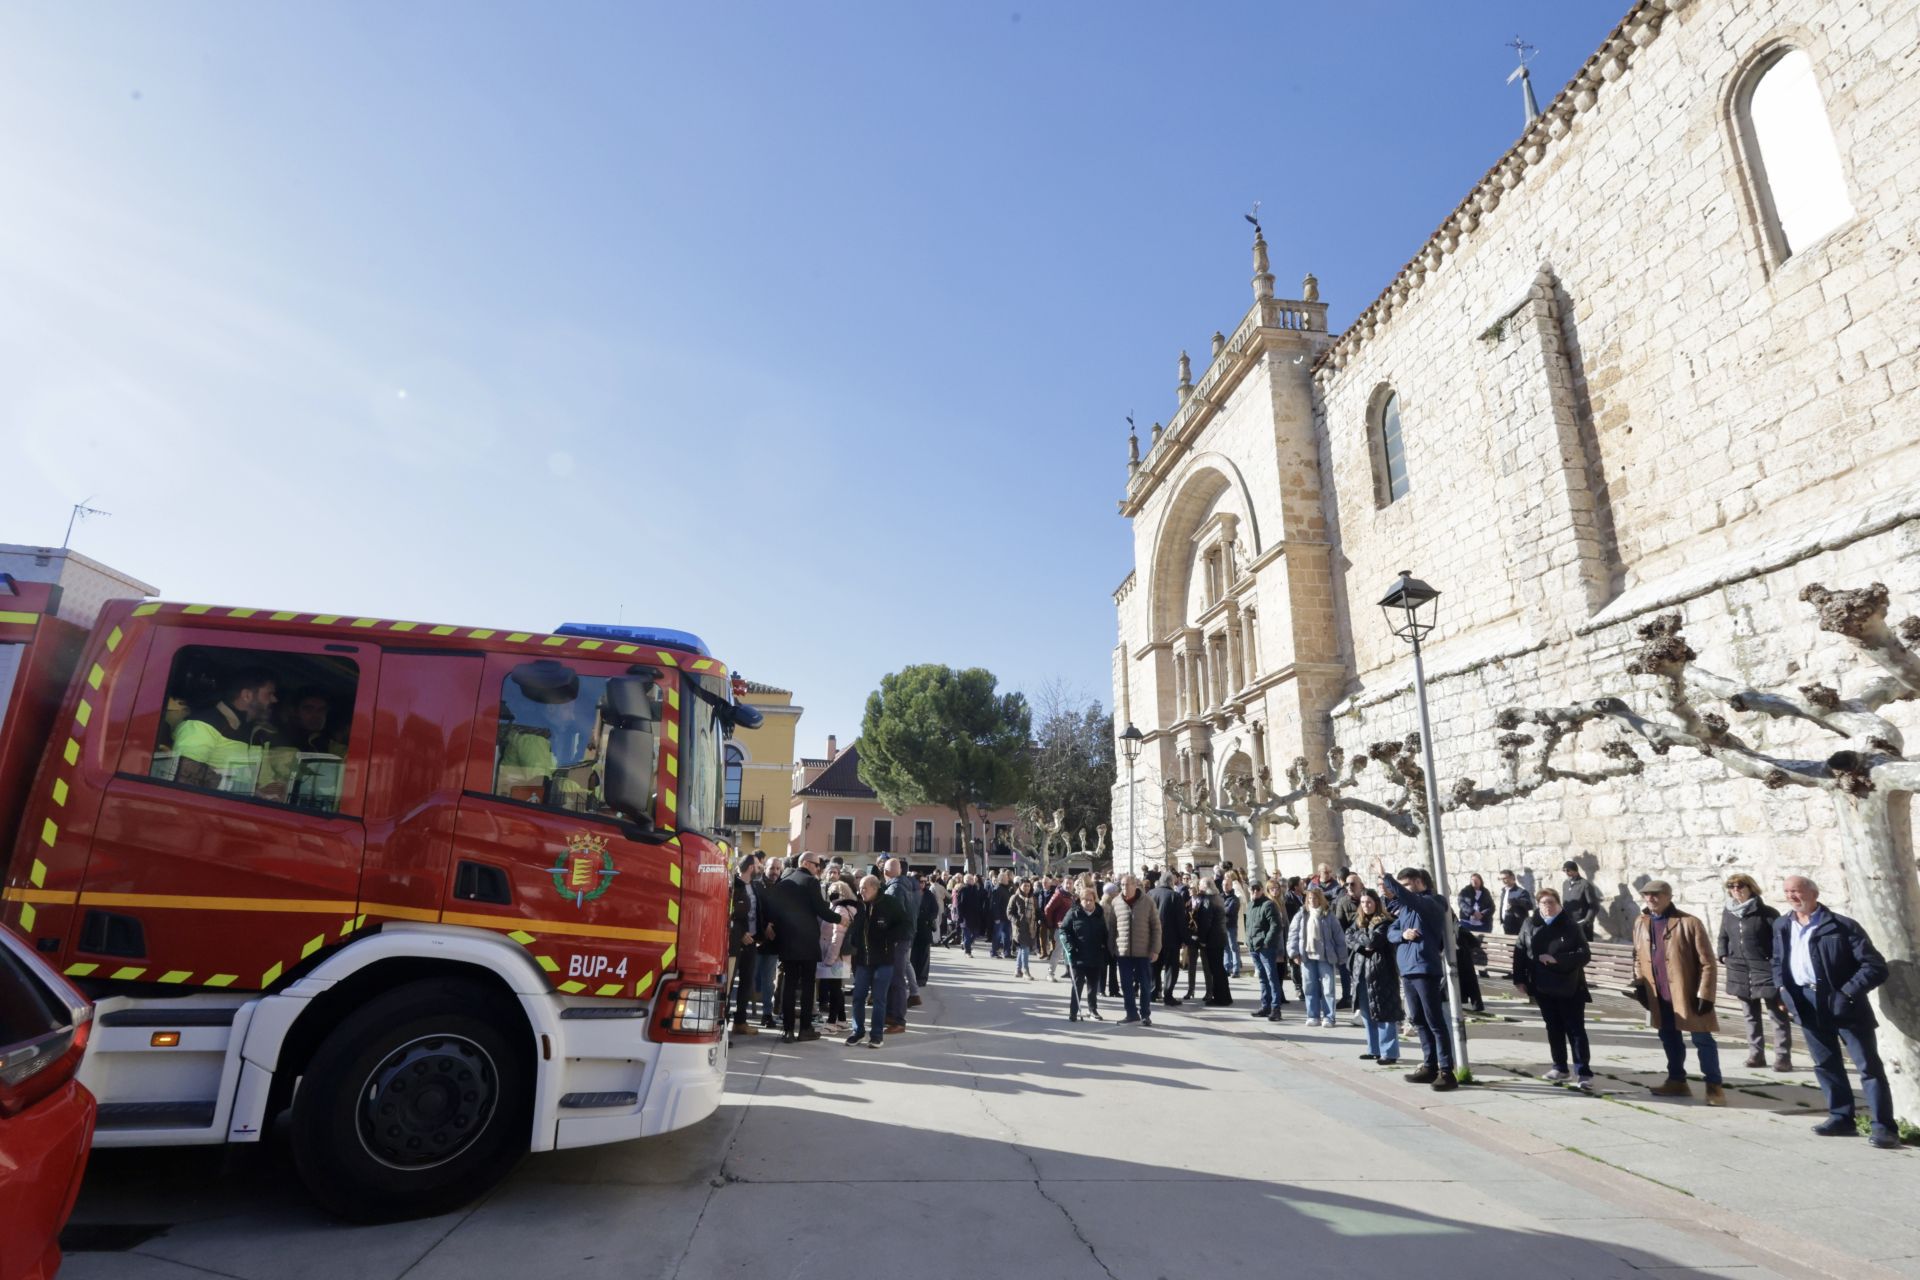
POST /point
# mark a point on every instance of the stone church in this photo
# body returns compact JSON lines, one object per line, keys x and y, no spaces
{"x":1661,"y":357}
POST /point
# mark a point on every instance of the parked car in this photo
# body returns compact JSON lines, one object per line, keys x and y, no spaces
{"x":46,"y":1114}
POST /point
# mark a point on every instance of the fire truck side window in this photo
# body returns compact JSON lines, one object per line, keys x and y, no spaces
{"x":259,"y":723}
{"x":552,"y":738}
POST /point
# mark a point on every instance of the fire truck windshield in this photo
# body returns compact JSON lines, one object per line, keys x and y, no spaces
{"x":703,"y":805}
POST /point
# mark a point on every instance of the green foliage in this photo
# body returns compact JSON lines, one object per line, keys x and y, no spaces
{"x":933,"y":735}
{"x":1073,"y":766}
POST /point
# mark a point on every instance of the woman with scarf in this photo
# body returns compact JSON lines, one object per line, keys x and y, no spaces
{"x":1376,"y":978}
{"x":1548,"y":959}
{"x":1746,"y":954}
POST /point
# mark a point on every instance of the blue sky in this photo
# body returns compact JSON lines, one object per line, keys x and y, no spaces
{"x":809,"y":327}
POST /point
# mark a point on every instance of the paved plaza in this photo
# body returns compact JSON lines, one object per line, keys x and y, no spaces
{"x":996,"y":1138}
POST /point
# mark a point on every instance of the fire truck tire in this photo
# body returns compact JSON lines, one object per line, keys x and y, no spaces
{"x":416,"y":1104}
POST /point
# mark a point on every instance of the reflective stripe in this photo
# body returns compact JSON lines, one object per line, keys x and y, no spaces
{"x":570,"y":927}
{"x":80,"y":970}
{"x":45,"y":897}
{"x":271,"y":976}
{"x":180,"y":902}
{"x":11,"y":618}
{"x":28,"y":914}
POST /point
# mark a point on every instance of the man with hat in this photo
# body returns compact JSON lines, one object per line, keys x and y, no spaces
{"x":1675,"y":974}
{"x":1580,"y":898}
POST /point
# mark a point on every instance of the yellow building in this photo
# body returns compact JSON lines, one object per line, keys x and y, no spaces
{"x":760,"y":772}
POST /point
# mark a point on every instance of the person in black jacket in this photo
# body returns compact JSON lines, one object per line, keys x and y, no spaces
{"x":1084,"y":935}
{"x":1173,"y":935}
{"x":1549,"y":960}
{"x":747,"y":917}
{"x":797,"y":906}
{"x":1371,"y":959}
{"x":1825,"y":965}
{"x":975,"y":911}
{"x":1516,"y":904}
{"x":1746,"y":957}
{"x":923,"y":933}
{"x":998,"y":900}
{"x":1581,"y":898}
{"x":878,"y":923}
{"x":1210,"y":937}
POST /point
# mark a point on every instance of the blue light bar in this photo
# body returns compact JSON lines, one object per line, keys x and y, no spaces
{"x":665,"y":637}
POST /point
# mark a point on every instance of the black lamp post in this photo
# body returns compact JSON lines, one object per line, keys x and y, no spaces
{"x":1411,"y":606}
{"x":1130,"y":742}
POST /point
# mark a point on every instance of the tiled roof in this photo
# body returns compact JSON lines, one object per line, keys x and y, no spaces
{"x":754,"y":686}
{"x":842,"y":778}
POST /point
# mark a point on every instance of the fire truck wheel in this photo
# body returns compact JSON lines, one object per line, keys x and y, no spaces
{"x":414,"y":1105}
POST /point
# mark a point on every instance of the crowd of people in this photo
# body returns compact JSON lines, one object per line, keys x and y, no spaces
{"x":1378,"y":951}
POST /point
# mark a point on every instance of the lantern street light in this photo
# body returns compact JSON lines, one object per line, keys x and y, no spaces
{"x":1130,"y":748}
{"x":1410,"y":607}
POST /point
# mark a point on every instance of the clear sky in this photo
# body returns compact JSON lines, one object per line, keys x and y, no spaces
{"x":810,"y":327}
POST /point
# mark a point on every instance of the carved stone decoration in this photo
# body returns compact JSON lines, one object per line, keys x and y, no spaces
{"x":1310,"y":288}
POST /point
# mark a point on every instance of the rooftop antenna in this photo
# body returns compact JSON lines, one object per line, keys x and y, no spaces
{"x":80,"y":512}
{"x":1525,"y":53}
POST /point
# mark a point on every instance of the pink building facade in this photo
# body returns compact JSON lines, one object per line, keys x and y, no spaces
{"x":834,"y":812}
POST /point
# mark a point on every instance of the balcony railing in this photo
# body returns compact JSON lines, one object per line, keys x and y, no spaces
{"x":748,"y":813}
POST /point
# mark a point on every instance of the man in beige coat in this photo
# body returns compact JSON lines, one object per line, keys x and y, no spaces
{"x":1675,"y":975}
{"x":1133,"y":933}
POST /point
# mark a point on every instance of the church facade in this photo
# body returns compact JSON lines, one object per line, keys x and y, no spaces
{"x":1662,"y":357}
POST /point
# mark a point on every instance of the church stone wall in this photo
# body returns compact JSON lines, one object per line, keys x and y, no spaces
{"x":1613,"y":400}
{"x":1616,"y":400}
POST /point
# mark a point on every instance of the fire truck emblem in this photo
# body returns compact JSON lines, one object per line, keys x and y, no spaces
{"x":584,"y":869}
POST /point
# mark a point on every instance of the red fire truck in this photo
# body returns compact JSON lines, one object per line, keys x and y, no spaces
{"x":445,"y":894}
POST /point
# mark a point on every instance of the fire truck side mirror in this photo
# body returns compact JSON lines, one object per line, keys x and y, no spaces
{"x":633,"y":747}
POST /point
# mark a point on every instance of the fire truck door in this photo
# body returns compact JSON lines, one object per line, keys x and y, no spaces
{"x":422,"y":729}
{"x":227,"y":852}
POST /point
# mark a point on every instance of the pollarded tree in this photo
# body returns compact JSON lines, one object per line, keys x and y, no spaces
{"x":933,"y":735}
{"x":1528,"y":765}
{"x":1870,"y":778}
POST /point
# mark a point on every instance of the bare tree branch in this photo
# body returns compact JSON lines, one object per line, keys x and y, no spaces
{"x":1860,"y":615}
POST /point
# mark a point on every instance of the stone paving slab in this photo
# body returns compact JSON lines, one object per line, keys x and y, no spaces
{"x":996,"y":1137}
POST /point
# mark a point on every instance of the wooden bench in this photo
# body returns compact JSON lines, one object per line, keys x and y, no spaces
{"x":1610,"y":972}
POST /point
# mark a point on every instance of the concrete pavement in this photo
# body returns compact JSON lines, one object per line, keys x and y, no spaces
{"x":996,"y":1137}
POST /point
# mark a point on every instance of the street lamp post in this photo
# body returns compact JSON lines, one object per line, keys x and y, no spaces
{"x":1130,"y":747}
{"x":1410,"y":607}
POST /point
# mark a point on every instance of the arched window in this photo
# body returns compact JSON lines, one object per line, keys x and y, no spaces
{"x":736,"y":759}
{"x":1799,"y":182}
{"x":1390,"y":461}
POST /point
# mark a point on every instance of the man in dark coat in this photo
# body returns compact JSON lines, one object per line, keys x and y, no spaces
{"x":923,"y":925}
{"x":1825,"y":965}
{"x":1420,"y":931}
{"x":748,"y":917}
{"x":1581,"y":897}
{"x":797,"y":906}
{"x":998,"y":900}
{"x":974,"y":912}
{"x":878,"y":923}
{"x":1516,"y":904}
{"x":1173,"y":935}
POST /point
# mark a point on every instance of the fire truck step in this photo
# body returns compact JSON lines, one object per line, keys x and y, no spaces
{"x":619,"y":1099}
{"x":156,"y":1115}
{"x":161,"y":1017}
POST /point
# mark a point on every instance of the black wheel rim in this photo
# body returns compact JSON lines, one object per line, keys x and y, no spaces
{"x":427,"y":1101}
